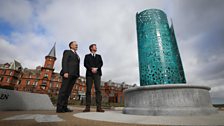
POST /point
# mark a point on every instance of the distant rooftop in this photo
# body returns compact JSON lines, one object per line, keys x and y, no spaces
{"x":15,"y":65}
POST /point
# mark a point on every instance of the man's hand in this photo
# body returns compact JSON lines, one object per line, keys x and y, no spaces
{"x":65,"y":75}
{"x":94,"y":70}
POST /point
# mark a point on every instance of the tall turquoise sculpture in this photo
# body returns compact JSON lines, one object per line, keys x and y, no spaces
{"x":160,"y":67}
{"x":159,"y":57}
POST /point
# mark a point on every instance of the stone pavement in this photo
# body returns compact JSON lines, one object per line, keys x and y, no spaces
{"x":117,"y":116}
{"x":109,"y":118}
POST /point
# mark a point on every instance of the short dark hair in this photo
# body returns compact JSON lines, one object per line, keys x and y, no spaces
{"x":70,"y":44}
{"x":91,"y":47}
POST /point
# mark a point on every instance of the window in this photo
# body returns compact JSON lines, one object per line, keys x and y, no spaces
{"x":44,"y":82}
{"x":8,"y":80}
{"x":36,"y":83}
{"x":43,"y":87}
{"x":52,"y":78}
{"x":18,"y":82}
{"x":11,"y":73}
{"x":49,"y":65}
{"x":1,"y":78}
{"x":27,"y":82}
{"x":50,"y":84}
{"x":57,"y":85}
{"x":3,"y":72}
{"x":46,"y":75}
{"x":30,"y":76}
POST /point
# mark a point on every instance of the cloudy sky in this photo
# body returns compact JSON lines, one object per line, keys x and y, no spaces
{"x":29,"y":28}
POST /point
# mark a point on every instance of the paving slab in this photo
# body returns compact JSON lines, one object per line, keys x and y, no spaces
{"x":109,"y":118}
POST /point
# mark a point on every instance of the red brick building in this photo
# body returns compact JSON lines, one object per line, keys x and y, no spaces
{"x":45,"y":80}
{"x":10,"y":74}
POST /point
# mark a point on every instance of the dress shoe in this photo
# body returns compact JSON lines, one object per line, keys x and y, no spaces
{"x":99,"y":110}
{"x":60,"y":111}
{"x":86,"y":110}
{"x":68,"y":110}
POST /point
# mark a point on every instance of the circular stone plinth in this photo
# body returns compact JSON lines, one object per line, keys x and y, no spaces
{"x":172,"y":99}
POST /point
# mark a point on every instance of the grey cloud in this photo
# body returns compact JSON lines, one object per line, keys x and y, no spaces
{"x":192,"y":17}
{"x":111,"y":25}
{"x":17,"y":13}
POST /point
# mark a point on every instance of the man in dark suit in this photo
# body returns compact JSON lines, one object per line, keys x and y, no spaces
{"x":93,"y":63}
{"x":69,"y":73}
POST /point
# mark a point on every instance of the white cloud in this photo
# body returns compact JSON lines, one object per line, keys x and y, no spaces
{"x":18,"y":13}
{"x":26,"y":48}
{"x":111,"y":25}
{"x":6,"y":53}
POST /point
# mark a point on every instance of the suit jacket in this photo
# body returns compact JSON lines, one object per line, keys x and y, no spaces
{"x":70,"y":63}
{"x":90,"y":62}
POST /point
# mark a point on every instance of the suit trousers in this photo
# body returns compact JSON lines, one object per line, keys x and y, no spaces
{"x":96,"y":79}
{"x":65,"y":91}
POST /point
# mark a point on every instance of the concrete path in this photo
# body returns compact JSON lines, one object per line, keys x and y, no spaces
{"x":109,"y":118}
{"x":117,"y":116}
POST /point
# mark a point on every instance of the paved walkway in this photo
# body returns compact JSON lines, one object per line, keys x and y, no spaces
{"x":117,"y":116}
{"x":109,"y":118}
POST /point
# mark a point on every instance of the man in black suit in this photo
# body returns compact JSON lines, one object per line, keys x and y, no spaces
{"x":69,"y":73}
{"x":93,"y":63}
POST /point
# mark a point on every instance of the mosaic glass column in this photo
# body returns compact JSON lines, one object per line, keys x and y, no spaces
{"x":159,"y":58}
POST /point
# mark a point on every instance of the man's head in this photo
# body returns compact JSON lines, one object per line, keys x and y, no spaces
{"x":92,"y":48}
{"x":73,"y":45}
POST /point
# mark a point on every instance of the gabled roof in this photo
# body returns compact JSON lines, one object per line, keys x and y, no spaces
{"x":15,"y":65}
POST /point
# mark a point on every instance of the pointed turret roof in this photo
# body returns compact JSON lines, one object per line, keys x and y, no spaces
{"x":52,"y":53}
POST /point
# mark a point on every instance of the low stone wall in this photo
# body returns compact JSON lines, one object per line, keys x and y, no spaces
{"x":18,"y":100}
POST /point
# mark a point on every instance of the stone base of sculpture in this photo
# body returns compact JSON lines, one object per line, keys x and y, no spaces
{"x":178,"y":99}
